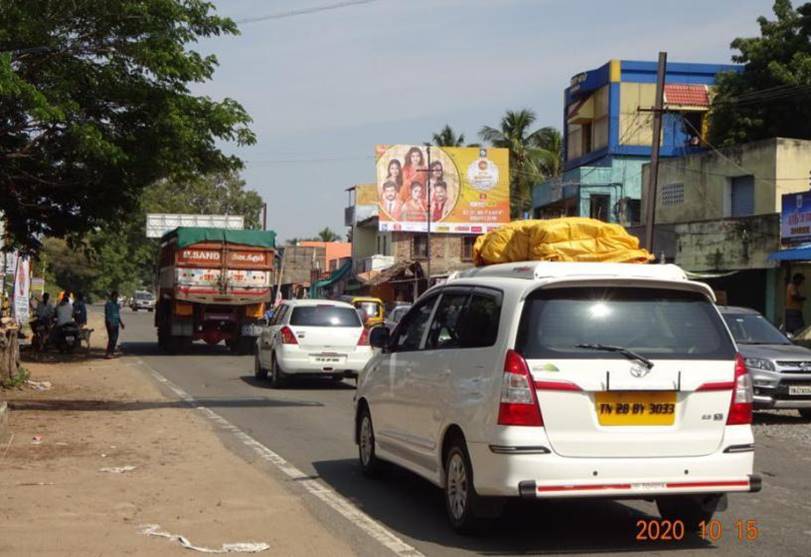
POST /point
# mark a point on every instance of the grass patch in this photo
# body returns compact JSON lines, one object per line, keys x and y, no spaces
{"x":17,"y":380}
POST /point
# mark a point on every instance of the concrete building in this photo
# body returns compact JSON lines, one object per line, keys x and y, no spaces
{"x":607,"y":135}
{"x":718,"y":213}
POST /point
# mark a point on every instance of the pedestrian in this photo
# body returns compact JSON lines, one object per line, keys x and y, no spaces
{"x":112,"y":320}
{"x":80,"y":310}
{"x":794,"y":321}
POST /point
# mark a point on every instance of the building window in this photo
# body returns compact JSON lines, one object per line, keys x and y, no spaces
{"x":467,"y":247}
{"x":599,"y":206}
{"x":742,"y":196}
{"x":419,"y":247}
{"x":672,"y":194}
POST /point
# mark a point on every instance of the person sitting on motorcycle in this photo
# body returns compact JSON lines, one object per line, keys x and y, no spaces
{"x":45,"y":310}
{"x":80,"y":310}
{"x":64,"y":311}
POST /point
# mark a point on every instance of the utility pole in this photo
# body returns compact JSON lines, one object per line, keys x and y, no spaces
{"x":264,"y":216}
{"x":653,"y":176}
{"x":428,"y":209}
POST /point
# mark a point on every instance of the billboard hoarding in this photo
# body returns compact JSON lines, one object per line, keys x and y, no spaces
{"x":469,"y":188}
{"x":158,"y":224}
{"x":22,"y":283}
{"x":795,"y":218}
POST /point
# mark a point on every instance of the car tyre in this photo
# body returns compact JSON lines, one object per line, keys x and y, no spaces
{"x":460,"y":496}
{"x":259,"y":372}
{"x":691,"y":510}
{"x":277,"y":376}
{"x":805,"y":413}
{"x":370,"y":465}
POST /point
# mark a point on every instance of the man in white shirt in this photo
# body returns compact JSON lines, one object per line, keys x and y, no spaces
{"x":64,"y":311}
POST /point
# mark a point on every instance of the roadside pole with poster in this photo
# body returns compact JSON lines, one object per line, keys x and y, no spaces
{"x":22,"y":290}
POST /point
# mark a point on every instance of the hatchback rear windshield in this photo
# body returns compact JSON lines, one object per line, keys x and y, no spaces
{"x":325,"y":316}
{"x":656,"y":323}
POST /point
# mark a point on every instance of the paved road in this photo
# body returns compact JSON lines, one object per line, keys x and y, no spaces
{"x":310,"y":425}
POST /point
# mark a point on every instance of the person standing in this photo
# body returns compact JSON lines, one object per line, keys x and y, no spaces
{"x":112,"y":321}
{"x":794,"y":321}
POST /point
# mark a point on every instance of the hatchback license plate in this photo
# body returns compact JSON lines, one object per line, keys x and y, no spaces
{"x":799,"y":390}
{"x":636,"y":408}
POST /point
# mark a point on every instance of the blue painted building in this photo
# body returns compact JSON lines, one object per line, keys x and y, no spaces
{"x":607,"y":138}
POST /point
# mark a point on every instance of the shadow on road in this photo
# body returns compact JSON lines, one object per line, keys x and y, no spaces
{"x":150,"y":348}
{"x":294,"y":384}
{"x":769,"y":418}
{"x":53,"y":356}
{"x":411,"y":506}
{"x":67,"y":405}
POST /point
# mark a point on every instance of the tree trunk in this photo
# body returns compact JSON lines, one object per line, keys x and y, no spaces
{"x":9,"y":354}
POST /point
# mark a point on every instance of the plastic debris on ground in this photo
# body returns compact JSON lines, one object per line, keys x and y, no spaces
{"x":39,"y":385}
{"x":576,"y":239}
{"x":117,"y":469}
{"x":36,"y":440}
{"x":239,"y":547}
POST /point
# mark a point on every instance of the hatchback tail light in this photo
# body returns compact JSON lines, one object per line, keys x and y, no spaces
{"x":519,"y":404}
{"x":740,"y":407}
{"x":364,"y":337}
{"x":288,"y":337}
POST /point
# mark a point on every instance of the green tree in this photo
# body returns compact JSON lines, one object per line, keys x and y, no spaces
{"x":534,"y":155}
{"x":448,"y":138}
{"x":771,"y":96}
{"x":328,"y":235}
{"x":95,"y":106}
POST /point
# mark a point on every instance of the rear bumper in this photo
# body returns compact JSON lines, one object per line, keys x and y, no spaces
{"x":295,"y":361}
{"x":540,"y":474}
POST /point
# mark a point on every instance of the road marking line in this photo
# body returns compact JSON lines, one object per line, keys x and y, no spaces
{"x":317,"y":488}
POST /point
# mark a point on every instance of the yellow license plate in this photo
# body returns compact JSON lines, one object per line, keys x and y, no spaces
{"x":636,"y":407}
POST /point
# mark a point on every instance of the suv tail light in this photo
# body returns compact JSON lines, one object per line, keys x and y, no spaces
{"x":519,"y":403}
{"x":364,"y":337}
{"x":287,"y":335}
{"x":740,"y":407}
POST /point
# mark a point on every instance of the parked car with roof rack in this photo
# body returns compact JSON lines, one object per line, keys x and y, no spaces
{"x":562,"y":380}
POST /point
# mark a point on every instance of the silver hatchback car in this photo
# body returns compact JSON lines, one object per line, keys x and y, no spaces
{"x":780,"y":370}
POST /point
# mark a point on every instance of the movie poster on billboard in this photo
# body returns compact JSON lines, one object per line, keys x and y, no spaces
{"x":469,"y":188}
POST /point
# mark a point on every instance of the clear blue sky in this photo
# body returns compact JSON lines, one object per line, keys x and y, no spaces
{"x":324,"y":88}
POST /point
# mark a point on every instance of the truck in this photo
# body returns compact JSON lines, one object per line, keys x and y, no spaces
{"x":213,"y":285}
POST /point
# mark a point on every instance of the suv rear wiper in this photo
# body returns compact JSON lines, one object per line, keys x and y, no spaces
{"x":619,"y":350}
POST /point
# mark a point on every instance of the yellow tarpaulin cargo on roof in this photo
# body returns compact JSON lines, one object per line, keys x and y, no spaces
{"x":564,"y":239}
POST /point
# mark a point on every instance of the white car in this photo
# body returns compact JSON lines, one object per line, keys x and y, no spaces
{"x":550,"y":380}
{"x":312,"y":338}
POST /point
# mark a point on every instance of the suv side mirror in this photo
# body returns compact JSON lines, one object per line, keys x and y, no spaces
{"x":379,"y":338}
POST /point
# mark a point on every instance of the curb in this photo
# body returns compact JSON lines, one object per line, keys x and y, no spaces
{"x":4,"y":431}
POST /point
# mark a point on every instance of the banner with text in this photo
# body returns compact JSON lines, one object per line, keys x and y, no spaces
{"x":795,"y":218}
{"x":469,"y":188}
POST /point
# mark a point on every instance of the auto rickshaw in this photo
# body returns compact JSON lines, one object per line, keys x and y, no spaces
{"x":372,"y":308}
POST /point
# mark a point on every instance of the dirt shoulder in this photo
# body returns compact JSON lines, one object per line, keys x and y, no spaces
{"x":106,"y":414}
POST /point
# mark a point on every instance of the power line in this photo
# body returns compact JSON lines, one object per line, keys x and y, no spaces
{"x":305,"y":11}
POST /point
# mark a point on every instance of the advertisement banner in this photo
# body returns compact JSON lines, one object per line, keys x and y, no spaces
{"x":469,"y":188}
{"x":22,"y":283}
{"x":795,"y":218}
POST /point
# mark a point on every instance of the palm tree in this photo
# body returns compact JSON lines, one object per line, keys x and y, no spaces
{"x":327,"y":235}
{"x":534,"y":155}
{"x":448,"y":138}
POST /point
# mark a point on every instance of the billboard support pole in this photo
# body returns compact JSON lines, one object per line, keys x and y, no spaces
{"x":428,"y":209}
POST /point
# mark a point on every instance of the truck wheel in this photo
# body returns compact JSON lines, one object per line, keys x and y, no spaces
{"x":277,"y":376}
{"x":692,"y":510}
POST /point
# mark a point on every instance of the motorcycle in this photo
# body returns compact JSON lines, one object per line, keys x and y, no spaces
{"x":68,"y":337}
{"x":42,"y":334}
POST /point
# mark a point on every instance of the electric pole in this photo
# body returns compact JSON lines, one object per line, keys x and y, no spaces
{"x":653,"y":176}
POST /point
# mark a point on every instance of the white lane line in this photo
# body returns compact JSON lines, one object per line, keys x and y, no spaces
{"x":317,"y":488}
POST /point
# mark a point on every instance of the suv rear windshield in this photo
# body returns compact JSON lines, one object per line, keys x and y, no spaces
{"x":656,"y":323}
{"x":143,"y":296}
{"x":325,"y":316}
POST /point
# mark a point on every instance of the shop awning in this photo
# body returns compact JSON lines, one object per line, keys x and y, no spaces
{"x":337,"y":275}
{"x":799,"y":253}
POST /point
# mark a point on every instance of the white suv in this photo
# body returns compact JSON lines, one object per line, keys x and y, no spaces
{"x":547,"y":380}
{"x":312,"y":338}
